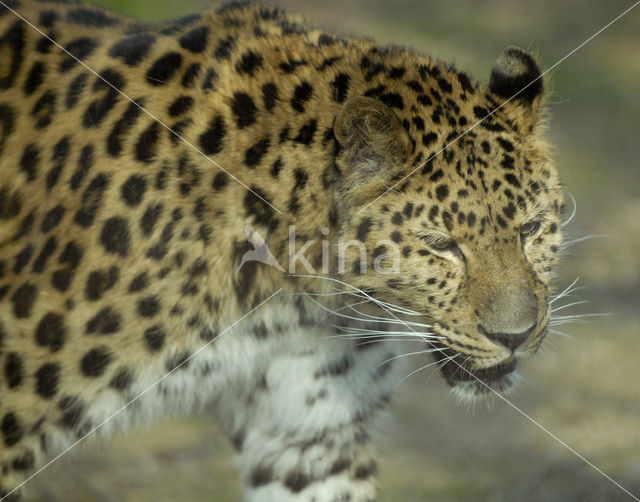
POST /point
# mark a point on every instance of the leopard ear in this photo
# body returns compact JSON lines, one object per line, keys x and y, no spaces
{"x":374,"y":143}
{"x":517,"y":75}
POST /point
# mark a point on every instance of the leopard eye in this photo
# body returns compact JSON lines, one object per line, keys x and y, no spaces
{"x":443,"y":245}
{"x":440,"y":243}
{"x":529,"y":229}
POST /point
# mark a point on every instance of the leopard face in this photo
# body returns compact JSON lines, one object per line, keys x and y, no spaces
{"x":468,"y":227}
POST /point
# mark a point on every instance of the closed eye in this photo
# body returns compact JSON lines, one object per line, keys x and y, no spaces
{"x":440,"y":243}
{"x":529,"y":229}
{"x":443,"y":244}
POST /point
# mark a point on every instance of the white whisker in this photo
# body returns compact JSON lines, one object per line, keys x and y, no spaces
{"x":575,"y":209}
{"x":350,"y":305}
{"x":569,"y":305}
{"x":388,"y":320}
{"x":395,"y":308}
{"x":367,"y":341}
{"x":381,"y":337}
{"x":561,"y":333}
{"x":365,"y":330}
{"x":304,"y":293}
{"x":462,"y":366}
{"x":566,"y":291}
{"x":567,"y":244}
{"x":426,"y":351}
{"x":578,"y":316}
{"x":445,"y":360}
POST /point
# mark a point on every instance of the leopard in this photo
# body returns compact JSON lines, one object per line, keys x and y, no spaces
{"x":240,"y":212}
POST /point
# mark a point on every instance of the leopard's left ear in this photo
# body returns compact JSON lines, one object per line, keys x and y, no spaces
{"x":374,"y":146}
{"x":517,"y":75}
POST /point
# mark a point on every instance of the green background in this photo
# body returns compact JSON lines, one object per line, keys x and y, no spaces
{"x":585,"y":388}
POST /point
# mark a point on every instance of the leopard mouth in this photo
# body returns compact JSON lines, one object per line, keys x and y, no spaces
{"x":469,"y":382}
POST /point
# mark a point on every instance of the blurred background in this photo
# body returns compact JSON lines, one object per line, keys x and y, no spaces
{"x":585,"y":388}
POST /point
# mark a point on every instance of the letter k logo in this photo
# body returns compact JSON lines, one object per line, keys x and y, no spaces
{"x":260,"y":250}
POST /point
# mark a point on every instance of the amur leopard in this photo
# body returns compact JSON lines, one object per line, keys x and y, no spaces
{"x":234,"y":209}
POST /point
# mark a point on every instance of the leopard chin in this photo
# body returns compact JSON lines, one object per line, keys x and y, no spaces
{"x":473,"y":390}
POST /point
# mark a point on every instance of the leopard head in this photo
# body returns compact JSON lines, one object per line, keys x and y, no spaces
{"x":458,"y":206}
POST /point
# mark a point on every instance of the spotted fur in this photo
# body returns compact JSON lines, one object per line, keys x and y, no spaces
{"x":124,"y":196}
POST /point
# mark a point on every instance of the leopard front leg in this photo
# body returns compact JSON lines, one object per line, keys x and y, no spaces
{"x":302,"y":431}
{"x":334,"y":466}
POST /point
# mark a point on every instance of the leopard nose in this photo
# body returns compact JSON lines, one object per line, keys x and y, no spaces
{"x":510,"y":340}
